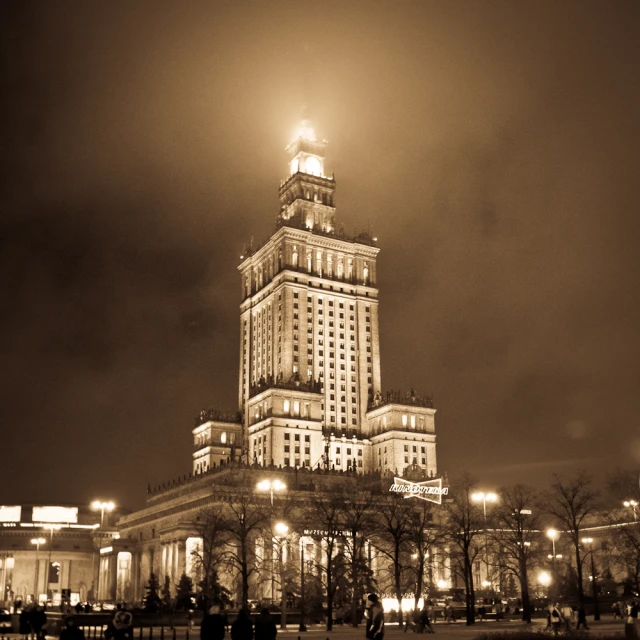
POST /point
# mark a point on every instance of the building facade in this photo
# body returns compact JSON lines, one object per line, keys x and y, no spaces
{"x":310,"y":391}
{"x":51,"y":553}
{"x":312,"y":415}
{"x":311,"y":409}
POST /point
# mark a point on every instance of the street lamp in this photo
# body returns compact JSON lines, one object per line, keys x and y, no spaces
{"x":271,"y":486}
{"x":596,"y":608}
{"x":481,"y":496}
{"x":303,"y":626}
{"x":102,"y":506}
{"x":281,"y":530}
{"x":633,"y":504}
{"x":37,"y":542}
{"x":52,"y":528}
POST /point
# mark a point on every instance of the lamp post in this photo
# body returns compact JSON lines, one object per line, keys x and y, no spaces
{"x":52,"y":528}
{"x":596,"y":608}
{"x":37,"y":542}
{"x":553,"y":535}
{"x":281,"y":530}
{"x":103,"y":506}
{"x":303,"y":626}
{"x":481,"y":496}
{"x":271,"y":486}
{"x":632,"y":504}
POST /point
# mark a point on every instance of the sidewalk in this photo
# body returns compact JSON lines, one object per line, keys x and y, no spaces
{"x":452,"y":631}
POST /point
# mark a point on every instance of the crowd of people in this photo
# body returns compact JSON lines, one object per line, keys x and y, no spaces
{"x":33,"y":621}
{"x":214,"y":625}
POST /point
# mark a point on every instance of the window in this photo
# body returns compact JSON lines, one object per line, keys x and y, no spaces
{"x":404,"y":421}
{"x":413,"y":422}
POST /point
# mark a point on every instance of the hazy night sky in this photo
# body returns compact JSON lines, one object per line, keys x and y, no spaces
{"x":491,"y":146}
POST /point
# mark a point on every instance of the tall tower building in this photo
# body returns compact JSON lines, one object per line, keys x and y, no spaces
{"x":309,"y":380}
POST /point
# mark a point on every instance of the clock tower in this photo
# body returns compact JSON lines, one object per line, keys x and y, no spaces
{"x":306,"y":196}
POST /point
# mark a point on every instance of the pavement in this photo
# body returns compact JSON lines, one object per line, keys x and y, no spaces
{"x":451,"y":631}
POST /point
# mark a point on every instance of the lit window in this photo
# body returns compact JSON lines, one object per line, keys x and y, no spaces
{"x":287,"y":406}
{"x":413,"y":422}
{"x":223,"y":437}
{"x":404,"y":421}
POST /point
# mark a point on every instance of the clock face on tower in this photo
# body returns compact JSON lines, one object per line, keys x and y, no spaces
{"x":312,"y":166}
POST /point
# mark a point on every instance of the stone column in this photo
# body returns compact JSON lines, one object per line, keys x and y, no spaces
{"x":65,"y":568}
{"x":181,"y":557}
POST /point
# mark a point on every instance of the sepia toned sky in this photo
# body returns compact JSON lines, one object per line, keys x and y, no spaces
{"x":492,"y":147}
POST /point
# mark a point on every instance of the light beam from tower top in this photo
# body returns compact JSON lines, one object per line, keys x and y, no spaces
{"x":306,"y":132}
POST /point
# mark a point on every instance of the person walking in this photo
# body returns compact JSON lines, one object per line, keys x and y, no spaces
{"x":425,"y":622}
{"x":242,"y":627}
{"x":25,"y":622}
{"x":556,"y":618}
{"x":567,"y":614}
{"x":582,"y":618}
{"x":265,"y":628}
{"x":38,"y":621}
{"x":375,"y":618}
{"x":213,"y":625}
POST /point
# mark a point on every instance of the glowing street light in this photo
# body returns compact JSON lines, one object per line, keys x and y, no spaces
{"x":544,"y":578}
{"x":271,"y":486}
{"x":51,"y":528}
{"x":596,"y":608}
{"x":632,"y":504}
{"x":102,"y":506}
{"x":481,"y":496}
{"x":37,"y":542}
{"x":553,"y":535}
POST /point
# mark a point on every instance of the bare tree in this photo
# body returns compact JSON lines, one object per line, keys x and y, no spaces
{"x":514,"y":526}
{"x":328,"y":517}
{"x":356,"y":520}
{"x":571,"y":502}
{"x":423,"y":535}
{"x":622,"y":486}
{"x":391,"y":539}
{"x":246,"y":520}
{"x":207,"y":557}
{"x":464,"y":523}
